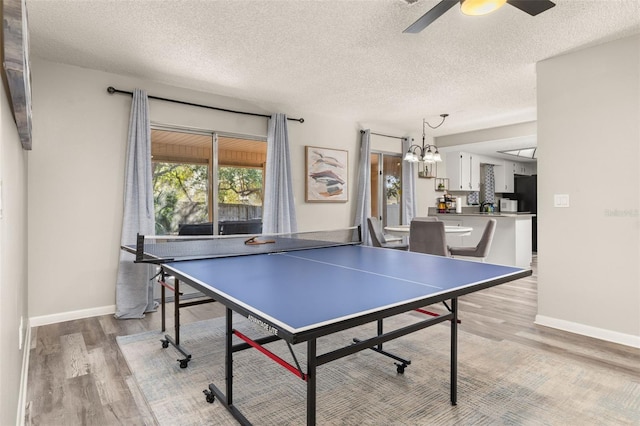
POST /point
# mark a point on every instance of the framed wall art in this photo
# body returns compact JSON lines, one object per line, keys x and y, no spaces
{"x":326,"y":175}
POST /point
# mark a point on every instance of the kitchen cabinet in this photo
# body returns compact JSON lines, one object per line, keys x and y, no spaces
{"x":526,"y":169}
{"x":463,"y":171}
{"x":498,"y":176}
{"x":504,"y":176}
{"x":509,"y":176}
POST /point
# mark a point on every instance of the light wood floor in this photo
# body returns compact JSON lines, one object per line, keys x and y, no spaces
{"x":77,"y":375}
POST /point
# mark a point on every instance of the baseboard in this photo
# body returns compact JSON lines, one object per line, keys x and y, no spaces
{"x":587,"y":330}
{"x":71,"y":315}
{"x":24,"y":377}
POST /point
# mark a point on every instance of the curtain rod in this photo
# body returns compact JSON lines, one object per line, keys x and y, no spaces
{"x":113,"y":90}
{"x":386,"y":136}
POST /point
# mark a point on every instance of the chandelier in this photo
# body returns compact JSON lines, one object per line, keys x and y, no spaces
{"x":424,"y":153}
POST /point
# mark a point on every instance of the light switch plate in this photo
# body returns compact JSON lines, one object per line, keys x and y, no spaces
{"x":560,"y":200}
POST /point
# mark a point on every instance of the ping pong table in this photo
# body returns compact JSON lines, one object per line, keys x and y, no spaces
{"x":303,"y":291}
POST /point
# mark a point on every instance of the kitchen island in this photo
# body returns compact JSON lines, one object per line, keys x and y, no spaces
{"x":511,"y":241}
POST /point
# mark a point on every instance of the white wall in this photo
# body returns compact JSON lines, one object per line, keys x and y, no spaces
{"x":13,"y":262}
{"x":589,"y":148}
{"x":326,"y":132}
{"x":76,"y":178}
{"x":513,"y":131}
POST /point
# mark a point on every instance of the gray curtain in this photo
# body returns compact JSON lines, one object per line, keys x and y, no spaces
{"x":279,"y":208}
{"x":363,"y":201}
{"x":134,"y":289}
{"x":408,"y":186}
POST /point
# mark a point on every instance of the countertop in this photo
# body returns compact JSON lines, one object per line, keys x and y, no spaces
{"x":473,"y":211}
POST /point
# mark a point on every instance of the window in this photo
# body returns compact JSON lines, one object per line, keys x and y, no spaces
{"x":184,"y":190}
{"x":241,"y":166}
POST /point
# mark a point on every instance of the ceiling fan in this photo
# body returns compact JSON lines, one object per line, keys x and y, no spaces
{"x":477,"y":7}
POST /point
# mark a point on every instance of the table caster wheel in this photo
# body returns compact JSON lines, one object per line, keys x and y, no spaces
{"x":165,"y":344}
{"x":400,"y":368}
{"x":184,"y":363}
{"x":209,"y":396}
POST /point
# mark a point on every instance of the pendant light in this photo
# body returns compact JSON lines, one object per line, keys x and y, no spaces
{"x":424,"y":153}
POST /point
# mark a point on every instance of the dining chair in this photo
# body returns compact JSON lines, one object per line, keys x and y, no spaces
{"x":426,"y":218}
{"x":481,"y":250}
{"x":428,"y":237}
{"x":379,"y":240}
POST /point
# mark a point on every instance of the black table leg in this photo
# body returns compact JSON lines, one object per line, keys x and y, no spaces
{"x":163,"y":302}
{"x":213,"y":392}
{"x":454,"y":351}
{"x":228,"y":356}
{"x":311,"y":382}
{"x":176,"y":311}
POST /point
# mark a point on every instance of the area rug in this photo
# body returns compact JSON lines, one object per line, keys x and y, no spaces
{"x":499,"y":382}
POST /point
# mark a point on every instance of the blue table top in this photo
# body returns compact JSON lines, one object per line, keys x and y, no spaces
{"x":302,"y":290}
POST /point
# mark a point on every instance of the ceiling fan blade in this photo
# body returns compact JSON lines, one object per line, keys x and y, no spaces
{"x":425,"y":20}
{"x":532,"y":7}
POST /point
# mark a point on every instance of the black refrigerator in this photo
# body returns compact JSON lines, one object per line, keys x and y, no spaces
{"x":526,"y":192}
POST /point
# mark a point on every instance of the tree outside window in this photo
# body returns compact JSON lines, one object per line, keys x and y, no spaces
{"x":240,"y":185}
{"x":180,"y":195}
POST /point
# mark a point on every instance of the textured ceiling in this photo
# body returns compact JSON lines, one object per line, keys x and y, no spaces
{"x":333,"y":57}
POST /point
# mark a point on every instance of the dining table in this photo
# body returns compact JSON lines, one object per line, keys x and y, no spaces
{"x":460,"y":231}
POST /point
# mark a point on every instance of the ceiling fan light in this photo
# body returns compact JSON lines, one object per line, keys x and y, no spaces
{"x":480,"y":7}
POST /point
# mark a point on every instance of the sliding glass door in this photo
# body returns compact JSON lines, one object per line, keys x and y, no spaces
{"x":386,"y":184}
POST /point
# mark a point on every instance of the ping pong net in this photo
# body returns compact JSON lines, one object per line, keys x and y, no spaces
{"x":162,"y":249}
